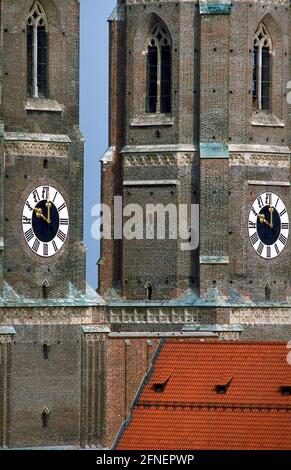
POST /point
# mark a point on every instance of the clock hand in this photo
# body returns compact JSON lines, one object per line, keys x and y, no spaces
{"x":39,"y":214}
{"x":263,"y":220}
{"x":271,"y":210}
{"x":49,"y":206}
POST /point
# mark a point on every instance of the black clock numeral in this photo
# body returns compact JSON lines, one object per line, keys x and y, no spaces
{"x":283,"y":212}
{"x":61,"y":207}
{"x":254,"y":238}
{"x":285,"y":226}
{"x":55,"y":196}
{"x":268,"y":252}
{"x":252,"y":224}
{"x":29,"y":235}
{"x":260,"y":248}
{"x":283,"y":239}
{"x":61,"y":235}
{"x":45,"y":249}
{"x":268,"y":198}
{"x":36,"y":196}
{"x":26,"y":220}
{"x":277,"y":249}
{"x":45,"y":192}
{"x":55,"y":246}
{"x":254,"y":212}
{"x":277,"y":202}
{"x":36,"y":245}
{"x":260,"y":202}
{"x":64,"y":222}
{"x":29,"y":206}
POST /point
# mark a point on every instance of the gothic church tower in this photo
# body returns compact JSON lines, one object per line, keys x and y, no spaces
{"x":46,"y":309}
{"x":199,"y":115}
{"x":42,"y":252}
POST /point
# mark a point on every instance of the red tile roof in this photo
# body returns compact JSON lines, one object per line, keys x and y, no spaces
{"x":188,"y":413}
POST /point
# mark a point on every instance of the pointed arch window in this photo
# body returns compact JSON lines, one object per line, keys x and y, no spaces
{"x":262,"y":68}
{"x":37,"y":28}
{"x":159,"y":71}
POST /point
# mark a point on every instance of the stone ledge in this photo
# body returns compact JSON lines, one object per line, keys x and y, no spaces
{"x":259,"y":148}
{"x":204,"y":332}
{"x":263,"y":119}
{"x":151,"y":183}
{"x":269,"y":183}
{"x":152,"y":120}
{"x":91,"y":329}
{"x":26,"y":137}
{"x":43,"y":105}
{"x":214,"y":260}
{"x":172,"y":148}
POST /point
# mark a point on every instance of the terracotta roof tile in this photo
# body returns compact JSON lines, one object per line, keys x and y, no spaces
{"x":190,"y":414}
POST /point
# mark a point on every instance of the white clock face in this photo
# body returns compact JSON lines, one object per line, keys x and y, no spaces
{"x":45,"y":221}
{"x":268,"y":225}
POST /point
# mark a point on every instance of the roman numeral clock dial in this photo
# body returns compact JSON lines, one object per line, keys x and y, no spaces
{"x":45,"y":221}
{"x":268,"y":225}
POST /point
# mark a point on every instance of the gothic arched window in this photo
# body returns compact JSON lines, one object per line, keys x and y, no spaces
{"x":159,"y":71}
{"x":37,"y":52}
{"x":262,"y":68}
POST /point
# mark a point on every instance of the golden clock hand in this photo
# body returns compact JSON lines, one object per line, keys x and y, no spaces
{"x":49,"y":206}
{"x":271,"y":210}
{"x":39,"y":214}
{"x":263,"y":220}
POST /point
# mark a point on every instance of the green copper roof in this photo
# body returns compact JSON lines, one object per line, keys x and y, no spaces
{"x":212,"y":7}
{"x":75,"y":299}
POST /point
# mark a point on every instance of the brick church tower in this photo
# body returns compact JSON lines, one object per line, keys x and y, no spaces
{"x":45,"y":305}
{"x":198,"y":115}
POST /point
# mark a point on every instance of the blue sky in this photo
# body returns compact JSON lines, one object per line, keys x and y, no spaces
{"x":94,"y":109}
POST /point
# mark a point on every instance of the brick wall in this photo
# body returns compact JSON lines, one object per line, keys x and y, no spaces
{"x":212,"y":105}
{"x":24,"y":163}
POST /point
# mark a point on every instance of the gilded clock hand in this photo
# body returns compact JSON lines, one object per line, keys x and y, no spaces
{"x":271,"y":210}
{"x":49,"y":206}
{"x":39,"y":214}
{"x":263,"y":220}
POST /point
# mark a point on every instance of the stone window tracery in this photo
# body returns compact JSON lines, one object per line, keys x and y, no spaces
{"x":159,"y":71}
{"x":37,"y":28}
{"x":262,"y":68}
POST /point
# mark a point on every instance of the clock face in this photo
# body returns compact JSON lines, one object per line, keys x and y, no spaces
{"x":268,"y":225}
{"x":45,"y":221}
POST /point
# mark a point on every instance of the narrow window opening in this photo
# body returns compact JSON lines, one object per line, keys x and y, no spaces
{"x":45,"y":349}
{"x":159,"y":72}
{"x":45,"y":417}
{"x":149,"y":291}
{"x":286,"y":390}
{"x":262,"y":51}
{"x":37,"y":52}
{"x":267,"y":293}
{"x":45,"y":164}
{"x":45,"y":290}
